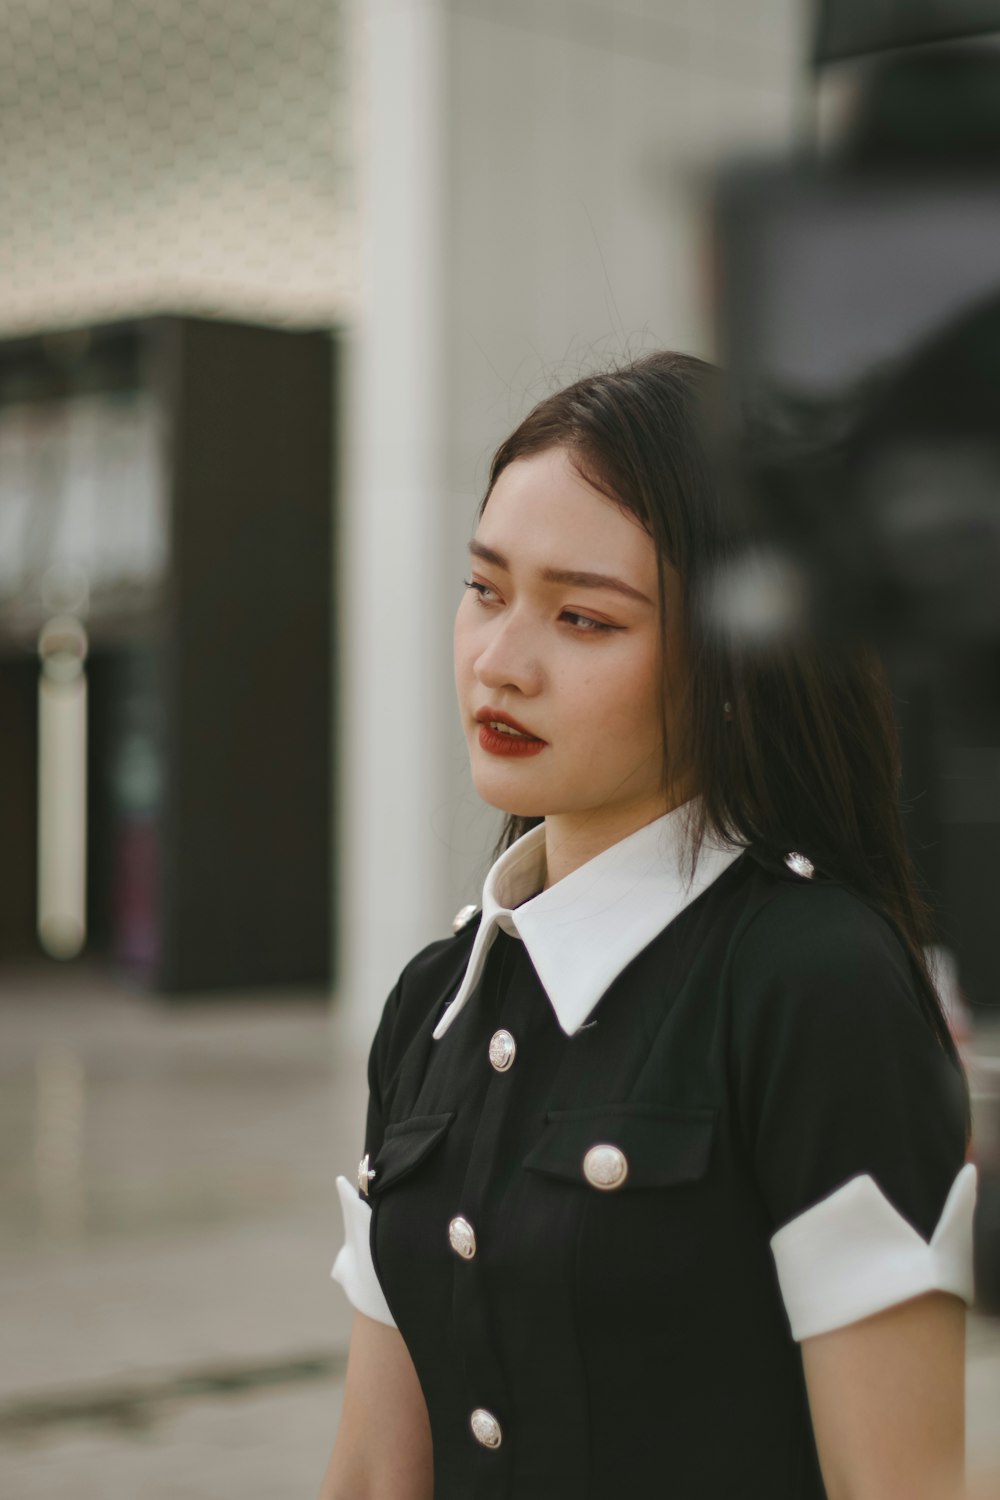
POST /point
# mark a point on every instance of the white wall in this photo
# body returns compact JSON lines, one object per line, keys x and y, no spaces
{"x":530,"y":170}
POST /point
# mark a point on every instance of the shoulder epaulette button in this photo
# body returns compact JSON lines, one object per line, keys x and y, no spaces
{"x":800,"y":865}
{"x":463,"y":917}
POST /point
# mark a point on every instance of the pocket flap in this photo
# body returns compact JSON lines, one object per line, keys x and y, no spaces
{"x":661,"y":1146}
{"x":405,"y":1145}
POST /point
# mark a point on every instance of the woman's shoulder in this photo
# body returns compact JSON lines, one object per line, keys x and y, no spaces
{"x":797,"y":920}
{"x":836,"y":1068}
{"x":816,"y":967}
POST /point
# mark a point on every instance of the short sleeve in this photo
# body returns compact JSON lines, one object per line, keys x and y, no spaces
{"x":852,"y":1111}
{"x":354,"y":1268}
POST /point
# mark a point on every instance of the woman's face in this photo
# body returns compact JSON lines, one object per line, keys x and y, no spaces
{"x":557,"y":653}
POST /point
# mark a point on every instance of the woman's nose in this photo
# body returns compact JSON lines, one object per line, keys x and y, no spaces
{"x":510,"y":657}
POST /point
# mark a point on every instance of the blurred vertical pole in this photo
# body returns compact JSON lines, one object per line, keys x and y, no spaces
{"x":395,"y":708}
{"x":62,"y":788}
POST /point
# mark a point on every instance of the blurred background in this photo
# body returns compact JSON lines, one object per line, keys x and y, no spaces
{"x":275,"y":277}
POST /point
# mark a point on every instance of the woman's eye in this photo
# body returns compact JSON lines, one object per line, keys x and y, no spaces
{"x":483,"y":590}
{"x":582,"y":624}
{"x":586,"y":625}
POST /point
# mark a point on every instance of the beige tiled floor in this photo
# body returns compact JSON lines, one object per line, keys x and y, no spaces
{"x":170,"y":1214}
{"x":169,"y":1328}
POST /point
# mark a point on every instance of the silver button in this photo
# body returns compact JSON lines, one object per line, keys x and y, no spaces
{"x":365,"y":1173}
{"x":503,"y":1049}
{"x":605,"y":1167}
{"x":800,"y":865}
{"x":462,"y":1237}
{"x":485,"y":1428}
{"x":463,"y":917}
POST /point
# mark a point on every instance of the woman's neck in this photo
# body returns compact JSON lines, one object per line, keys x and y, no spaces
{"x":571,"y":839}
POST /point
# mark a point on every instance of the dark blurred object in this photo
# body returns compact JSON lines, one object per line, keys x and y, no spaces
{"x":180,"y":471}
{"x":860,"y":321}
{"x":18,"y":802}
{"x":859,"y":317}
{"x":854,"y":28}
{"x":986,"y":1243}
{"x":927,"y":107}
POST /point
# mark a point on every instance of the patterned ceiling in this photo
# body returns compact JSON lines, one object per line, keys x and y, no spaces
{"x":174,"y":155}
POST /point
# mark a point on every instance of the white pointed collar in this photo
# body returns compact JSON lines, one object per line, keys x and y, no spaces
{"x":582,"y":932}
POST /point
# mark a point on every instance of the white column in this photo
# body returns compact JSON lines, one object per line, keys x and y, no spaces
{"x":527,"y":175}
{"x":395,"y":694}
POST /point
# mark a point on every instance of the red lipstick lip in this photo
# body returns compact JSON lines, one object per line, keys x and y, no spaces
{"x":494,"y":715}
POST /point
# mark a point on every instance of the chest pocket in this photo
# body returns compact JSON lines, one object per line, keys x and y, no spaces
{"x":625,"y":1147}
{"x":405,"y":1146}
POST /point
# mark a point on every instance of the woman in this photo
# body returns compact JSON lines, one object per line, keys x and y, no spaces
{"x":663,"y":1189}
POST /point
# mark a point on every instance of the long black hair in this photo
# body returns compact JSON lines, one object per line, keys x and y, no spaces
{"x":792,"y":747}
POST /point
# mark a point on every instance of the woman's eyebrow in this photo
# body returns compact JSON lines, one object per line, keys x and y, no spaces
{"x":579,"y":579}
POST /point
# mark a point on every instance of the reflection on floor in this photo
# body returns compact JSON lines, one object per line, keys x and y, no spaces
{"x":170,"y":1329}
{"x":170,"y":1220}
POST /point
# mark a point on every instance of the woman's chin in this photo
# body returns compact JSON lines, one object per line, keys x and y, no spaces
{"x":514,"y":809}
{"x":507,"y":799}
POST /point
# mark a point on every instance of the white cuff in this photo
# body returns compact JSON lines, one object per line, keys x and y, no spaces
{"x":353,"y":1267}
{"x":853,"y":1254}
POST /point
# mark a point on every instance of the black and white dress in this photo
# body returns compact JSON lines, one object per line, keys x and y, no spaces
{"x":629,"y":1140}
